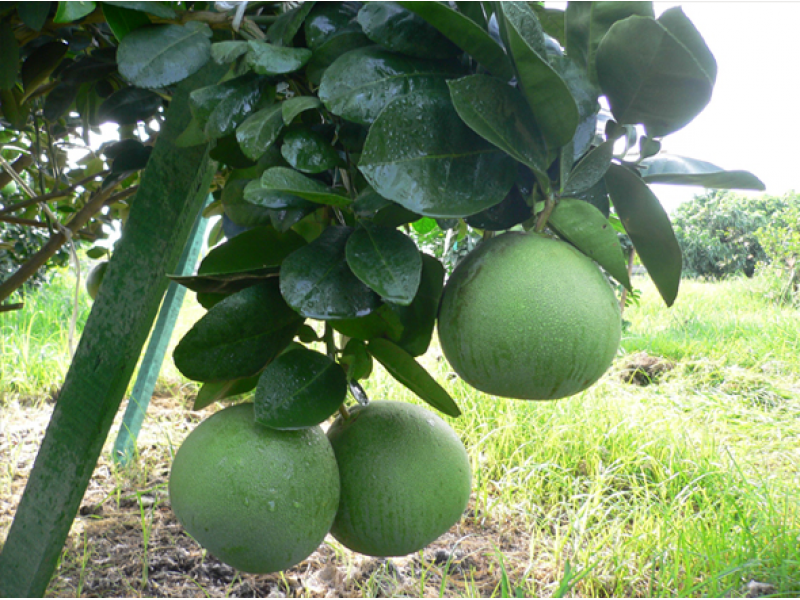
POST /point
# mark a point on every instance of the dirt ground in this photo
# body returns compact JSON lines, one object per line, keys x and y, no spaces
{"x":126,"y":541}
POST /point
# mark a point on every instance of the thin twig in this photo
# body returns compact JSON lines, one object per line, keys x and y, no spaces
{"x":25,"y":222}
{"x":51,"y":195}
{"x":10,"y":307}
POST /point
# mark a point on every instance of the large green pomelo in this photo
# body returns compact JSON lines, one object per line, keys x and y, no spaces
{"x":259,"y":499}
{"x":405,"y":478}
{"x":526,"y":316}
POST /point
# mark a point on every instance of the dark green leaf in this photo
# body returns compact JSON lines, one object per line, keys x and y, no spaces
{"x":411,"y":374}
{"x":387,"y":261}
{"x":34,"y":14}
{"x":226,"y":151}
{"x":157,"y":9}
{"x":283,"y":30}
{"x":512,"y":211}
{"x":133,"y":158}
{"x":649,"y":228}
{"x":122,"y":21}
{"x":586,"y":97}
{"x":227,"y":52}
{"x":402,"y":31}
{"x":587,"y":22}
{"x":299,"y":389}
{"x":383,"y":322}
{"x":87,"y":69}
{"x":160,"y":55}
{"x":213,"y":288}
{"x":676,"y":22}
{"x":239,"y":336}
{"x":97,"y":252}
{"x":260,"y":130}
{"x":128,"y":106}
{"x":421,"y":155}
{"x":660,"y":85}
{"x":254,"y":251}
{"x":9,"y":56}
{"x":326,"y":19}
{"x":499,"y":113}
{"x":317,"y":282}
{"x":256,"y":194}
{"x":219,"y":390}
{"x":68,"y":12}
{"x":341,"y":42}
{"x":466,"y":34}
{"x":308,"y":151}
{"x":221,"y":108}
{"x":286,"y":180}
{"x":359,"y":84}
{"x":267,"y":59}
{"x":680,"y":170}
{"x":356,"y":361}
{"x":14,"y":110}
{"x":590,"y":169}
{"x":548,"y":95}
{"x":585,"y":227}
{"x":40,"y":64}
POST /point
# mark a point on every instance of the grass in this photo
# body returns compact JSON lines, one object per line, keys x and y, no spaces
{"x":686,"y":487}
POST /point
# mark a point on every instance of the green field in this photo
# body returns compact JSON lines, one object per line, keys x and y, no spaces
{"x":684,"y":487}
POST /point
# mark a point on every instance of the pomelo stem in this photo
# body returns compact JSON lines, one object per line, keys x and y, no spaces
{"x":344,"y":412}
{"x":541,"y":222}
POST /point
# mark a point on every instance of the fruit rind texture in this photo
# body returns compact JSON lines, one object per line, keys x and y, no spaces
{"x":259,"y":499}
{"x":530,"y":317}
{"x":405,"y":478}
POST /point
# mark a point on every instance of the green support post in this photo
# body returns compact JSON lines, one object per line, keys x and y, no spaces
{"x":125,"y":445}
{"x":173,"y":189}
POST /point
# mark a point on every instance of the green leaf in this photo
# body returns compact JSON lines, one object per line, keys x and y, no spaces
{"x":221,"y":108}
{"x":411,"y":374}
{"x":220,"y":390}
{"x":402,"y":31}
{"x":499,"y":113}
{"x":356,"y":361}
{"x":239,"y":336}
{"x":286,"y":26}
{"x":227,"y":52}
{"x":317,"y":282}
{"x":512,"y":211}
{"x":9,"y":56}
{"x":359,"y":84}
{"x":383,"y":322}
{"x":292,"y":107}
{"x":259,"y":131}
{"x":591,"y":169}
{"x":585,"y":227}
{"x":299,"y":389}
{"x":649,"y":228}
{"x":661,"y":85}
{"x":258,"y":195}
{"x":586,"y":23}
{"x":290,"y":181}
{"x":160,"y":55}
{"x":123,"y":21}
{"x":57,"y":102}
{"x":466,"y":34}
{"x":678,"y":24}
{"x":157,"y":9}
{"x":129,"y":105}
{"x":548,"y":95}
{"x":40,"y":64}
{"x":343,"y":41}
{"x":257,"y":250}
{"x":680,"y":170}
{"x":34,"y":14}
{"x":308,"y":151}
{"x":267,"y":59}
{"x":326,"y":19}
{"x":68,"y":12}
{"x":226,"y":151}
{"x":387,"y":261}
{"x":421,"y":155}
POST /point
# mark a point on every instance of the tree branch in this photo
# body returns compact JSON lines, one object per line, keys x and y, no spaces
{"x":51,"y":195}
{"x":26,"y":222}
{"x":24,"y":161}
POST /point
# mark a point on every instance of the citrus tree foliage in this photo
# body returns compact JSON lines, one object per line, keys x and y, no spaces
{"x":780,"y":238}
{"x":341,"y":127}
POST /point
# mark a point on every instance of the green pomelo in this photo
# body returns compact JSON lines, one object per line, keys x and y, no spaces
{"x":405,"y":478}
{"x":526,"y":316}
{"x":259,"y":499}
{"x":95,"y":278}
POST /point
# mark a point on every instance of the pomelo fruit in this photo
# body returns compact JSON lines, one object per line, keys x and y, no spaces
{"x":259,"y":499}
{"x":405,"y":478}
{"x":530,"y":317}
{"x":95,"y":278}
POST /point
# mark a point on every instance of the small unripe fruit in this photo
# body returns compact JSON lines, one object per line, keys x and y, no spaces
{"x":95,"y":278}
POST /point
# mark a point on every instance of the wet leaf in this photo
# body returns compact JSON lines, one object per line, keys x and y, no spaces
{"x":220,"y":390}
{"x":267,"y":59}
{"x":326,"y":19}
{"x":341,"y":42}
{"x":123,"y":21}
{"x":680,"y":170}
{"x":299,"y":389}
{"x":157,"y":9}
{"x":68,"y":12}
{"x":309,"y":151}
{"x":292,"y":107}
{"x":383,"y":322}
{"x":286,"y":26}
{"x":227,"y":52}
{"x":260,"y":130}
{"x":291,"y":182}
{"x":590,"y":169}
{"x":129,"y":105}
{"x":220,"y":109}
{"x":512,"y":211}
{"x":356,"y":361}
{"x":254,"y":251}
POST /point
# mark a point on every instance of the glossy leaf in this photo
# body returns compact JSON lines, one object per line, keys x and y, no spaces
{"x":221,"y":108}
{"x":317,"y":282}
{"x":157,"y":9}
{"x":286,"y":26}
{"x":512,"y":211}
{"x":34,"y":14}
{"x":239,"y":336}
{"x":466,"y":34}
{"x":590,"y":169}
{"x":548,"y":95}
{"x":299,"y":389}
{"x":160,"y":55}
{"x":342,"y":41}
{"x":387,"y":261}
{"x":292,"y":107}
{"x":661,"y":85}
{"x":499,"y":113}
{"x":359,"y":84}
{"x":267,"y":59}
{"x":649,"y":228}
{"x":253,"y":251}
{"x":411,"y":374}
{"x":226,"y":151}
{"x":129,"y":105}
{"x":585,"y":24}
{"x":586,"y":96}
{"x":69,"y":12}
{"x":421,"y":155}
{"x":290,"y":181}
{"x":40,"y":64}
{"x":255,"y":193}
{"x":220,"y":390}
{"x":680,"y":170}
{"x":308,"y":151}
{"x":326,"y":19}
{"x":227,"y":52}
{"x":400,"y":30}
{"x":123,"y":21}
{"x":260,"y":130}
{"x":356,"y":360}
{"x":585,"y":227}
{"x":9,"y":56}
{"x":383,"y":322}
